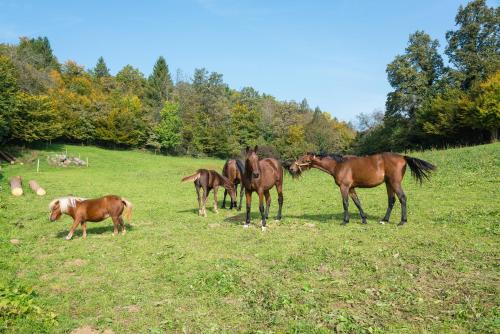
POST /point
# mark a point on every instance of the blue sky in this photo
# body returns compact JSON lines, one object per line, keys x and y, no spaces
{"x":333,"y":53}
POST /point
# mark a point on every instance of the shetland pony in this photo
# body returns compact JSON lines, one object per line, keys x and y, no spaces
{"x":352,"y":172}
{"x":207,"y":180}
{"x":83,"y":210}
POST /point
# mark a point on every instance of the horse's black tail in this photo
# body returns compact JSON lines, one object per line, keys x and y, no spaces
{"x":420,"y":169}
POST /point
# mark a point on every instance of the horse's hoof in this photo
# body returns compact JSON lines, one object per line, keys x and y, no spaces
{"x":402,"y":223}
{"x":344,"y":223}
{"x":263,"y":228}
{"x":246,"y":225}
{"x":68,"y":237}
{"x":383,"y":222}
{"x":363,"y":222}
{"x":124,"y":232}
{"x":239,"y":209}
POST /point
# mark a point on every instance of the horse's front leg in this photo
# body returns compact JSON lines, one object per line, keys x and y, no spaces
{"x":76,"y":222}
{"x":262,"y":210}
{"x":241,"y":195}
{"x":248,"y":196}
{"x":344,"y":191}
{"x":224,"y":200}
{"x":215,"y":200}
{"x":84,"y":229}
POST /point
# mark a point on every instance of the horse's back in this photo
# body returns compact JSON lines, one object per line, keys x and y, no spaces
{"x":272,"y":168}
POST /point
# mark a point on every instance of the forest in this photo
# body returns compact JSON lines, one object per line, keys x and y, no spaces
{"x":434,"y":102}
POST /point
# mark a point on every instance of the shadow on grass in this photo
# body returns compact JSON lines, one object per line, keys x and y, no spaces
{"x":94,"y":230}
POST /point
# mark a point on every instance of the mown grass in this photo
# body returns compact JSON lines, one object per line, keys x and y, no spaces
{"x":177,"y":272}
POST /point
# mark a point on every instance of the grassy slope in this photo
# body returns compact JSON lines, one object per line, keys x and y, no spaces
{"x":177,"y":272}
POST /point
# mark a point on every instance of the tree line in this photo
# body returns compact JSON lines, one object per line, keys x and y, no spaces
{"x":43,"y":100}
{"x":435,"y":103}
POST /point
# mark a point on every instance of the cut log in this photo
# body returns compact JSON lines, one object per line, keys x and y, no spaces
{"x":36,"y":188}
{"x":15,"y":186}
{"x":7,"y":157}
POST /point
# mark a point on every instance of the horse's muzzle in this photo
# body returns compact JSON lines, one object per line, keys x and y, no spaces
{"x":255,"y":175}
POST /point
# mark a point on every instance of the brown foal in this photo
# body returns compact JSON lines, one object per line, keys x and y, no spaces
{"x":208,"y":180}
{"x":352,"y":172}
{"x":233,"y":170}
{"x":260,"y":176}
{"x":93,"y":210}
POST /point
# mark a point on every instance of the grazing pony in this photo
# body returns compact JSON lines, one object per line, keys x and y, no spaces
{"x":352,"y":172}
{"x":233,"y":169}
{"x":83,"y":210}
{"x":260,"y":176}
{"x":208,"y":180}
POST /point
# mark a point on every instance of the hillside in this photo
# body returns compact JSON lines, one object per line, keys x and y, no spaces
{"x":177,"y":272}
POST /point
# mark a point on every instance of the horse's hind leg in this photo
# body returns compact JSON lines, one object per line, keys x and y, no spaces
{"x":122,"y":224}
{"x":116,"y":222}
{"x":268,"y":202}
{"x":279,"y":189}
{"x":402,"y":199}
{"x":355,"y":199}
{"x":391,"y":199}
{"x":197,"y":187}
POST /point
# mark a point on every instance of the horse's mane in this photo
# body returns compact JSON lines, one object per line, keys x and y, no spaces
{"x":334,"y":156}
{"x":241,"y":166}
{"x":66,"y":202}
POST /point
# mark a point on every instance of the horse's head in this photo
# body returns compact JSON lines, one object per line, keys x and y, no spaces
{"x":55,"y":210}
{"x":252,"y":162}
{"x":301,"y":164}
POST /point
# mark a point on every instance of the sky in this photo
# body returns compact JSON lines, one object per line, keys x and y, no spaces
{"x":333,"y":53}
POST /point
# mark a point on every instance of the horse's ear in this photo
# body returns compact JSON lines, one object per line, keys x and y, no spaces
{"x":248,"y":149}
{"x":256,"y":148}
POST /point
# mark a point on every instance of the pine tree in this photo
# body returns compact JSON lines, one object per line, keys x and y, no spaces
{"x":159,"y":87}
{"x":100,"y":70}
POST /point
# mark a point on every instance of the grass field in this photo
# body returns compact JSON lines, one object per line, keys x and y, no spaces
{"x":176,"y":272}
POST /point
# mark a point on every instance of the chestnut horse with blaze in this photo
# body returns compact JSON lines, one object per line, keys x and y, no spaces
{"x":93,"y":210}
{"x":352,"y":172}
{"x":260,"y":176}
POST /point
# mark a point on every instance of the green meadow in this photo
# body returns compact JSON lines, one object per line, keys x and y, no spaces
{"x":176,"y":272}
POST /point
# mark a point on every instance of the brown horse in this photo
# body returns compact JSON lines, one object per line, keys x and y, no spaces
{"x":352,"y":172}
{"x":93,"y":210}
{"x":208,"y":180}
{"x":260,"y":176}
{"x":233,"y":170}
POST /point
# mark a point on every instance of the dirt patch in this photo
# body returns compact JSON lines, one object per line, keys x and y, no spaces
{"x":310,"y":225}
{"x":75,"y":262}
{"x":15,"y":241}
{"x":214,"y":225}
{"x":84,"y":330}
{"x":132,"y":308}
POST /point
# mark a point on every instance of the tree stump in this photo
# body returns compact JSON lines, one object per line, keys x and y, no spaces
{"x":15,"y":186}
{"x":36,"y":188}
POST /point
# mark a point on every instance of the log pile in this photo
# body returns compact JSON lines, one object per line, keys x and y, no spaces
{"x":16,"y":186}
{"x":36,"y":188}
{"x":63,"y":160}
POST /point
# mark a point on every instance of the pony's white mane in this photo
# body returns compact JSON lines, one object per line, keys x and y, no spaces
{"x":66,"y":202}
